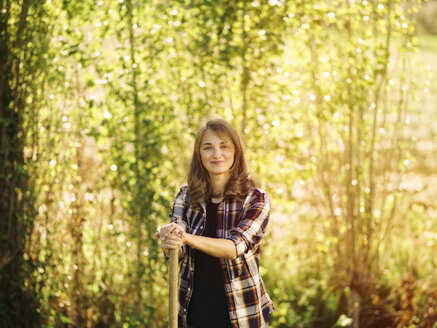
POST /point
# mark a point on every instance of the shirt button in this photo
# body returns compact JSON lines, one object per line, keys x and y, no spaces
{"x":201,"y":227}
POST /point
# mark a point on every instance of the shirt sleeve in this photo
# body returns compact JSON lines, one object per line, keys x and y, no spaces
{"x":177,"y":212}
{"x":248,"y":233}
{"x":179,"y":207}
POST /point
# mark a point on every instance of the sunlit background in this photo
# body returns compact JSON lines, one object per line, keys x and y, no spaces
{"x":336,"y":104}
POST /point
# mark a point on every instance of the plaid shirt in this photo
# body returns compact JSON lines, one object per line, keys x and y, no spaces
{"x":245,"y":224}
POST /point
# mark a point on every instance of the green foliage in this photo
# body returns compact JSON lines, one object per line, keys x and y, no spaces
{"x":101,"y":101}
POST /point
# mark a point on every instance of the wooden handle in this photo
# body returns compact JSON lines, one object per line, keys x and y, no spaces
{"x":173,"y":289}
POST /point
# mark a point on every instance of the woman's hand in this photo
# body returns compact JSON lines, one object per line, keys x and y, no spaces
{"x":172,"y":236}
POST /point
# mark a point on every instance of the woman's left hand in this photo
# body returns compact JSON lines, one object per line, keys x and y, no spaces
{"x":171,"y":228}
{"x":172,"y":236}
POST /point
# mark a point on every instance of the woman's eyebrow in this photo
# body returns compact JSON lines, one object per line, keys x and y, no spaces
{"x":210,"y":143}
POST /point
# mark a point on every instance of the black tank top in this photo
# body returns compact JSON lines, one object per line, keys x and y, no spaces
{"x":208,"y":306}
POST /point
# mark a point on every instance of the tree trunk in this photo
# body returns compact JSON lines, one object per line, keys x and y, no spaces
{"x":244,"y":73}
{"x":17,"y":304}
{"x":354,"y":308}
{"x":137,"y":127}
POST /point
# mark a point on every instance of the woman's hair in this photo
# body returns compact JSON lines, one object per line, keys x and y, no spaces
{"x":199,"y":184}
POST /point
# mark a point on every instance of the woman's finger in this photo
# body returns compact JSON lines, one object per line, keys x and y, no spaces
{"x":169,"y":239}
{"x":172,"y":240}
{"x":177,"y":230}
{"x":173,"y":227}
{"x":163,"y":230}
{"x":171,"y":245}
{"x":167,"y":228}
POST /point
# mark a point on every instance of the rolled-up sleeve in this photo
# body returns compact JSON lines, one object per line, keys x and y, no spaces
{"x":249,"y":231}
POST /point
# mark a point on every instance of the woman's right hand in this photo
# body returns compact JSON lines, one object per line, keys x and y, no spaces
{"x":171,"y":236}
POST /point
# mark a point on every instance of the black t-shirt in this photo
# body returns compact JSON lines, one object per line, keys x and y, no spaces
{"x":208,"y":307}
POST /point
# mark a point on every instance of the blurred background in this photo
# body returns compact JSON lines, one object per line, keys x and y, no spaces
{"x":336,"y":104}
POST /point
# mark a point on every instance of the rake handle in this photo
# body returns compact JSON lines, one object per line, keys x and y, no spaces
{"x":173,"y":289}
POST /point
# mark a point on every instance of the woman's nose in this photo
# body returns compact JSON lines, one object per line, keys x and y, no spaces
{"x":216,"y":151}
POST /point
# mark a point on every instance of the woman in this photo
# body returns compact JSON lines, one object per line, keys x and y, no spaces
{"x":217,"y":222}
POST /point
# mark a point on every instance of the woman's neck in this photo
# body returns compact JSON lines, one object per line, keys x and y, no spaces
{"x":218,"y":184}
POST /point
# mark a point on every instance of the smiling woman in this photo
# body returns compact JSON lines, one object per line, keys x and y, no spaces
{"x":218,"y":222}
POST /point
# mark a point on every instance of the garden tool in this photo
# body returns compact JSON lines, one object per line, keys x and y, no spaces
{"x":173,"y":289}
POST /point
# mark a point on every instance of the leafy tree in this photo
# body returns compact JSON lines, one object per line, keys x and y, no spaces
{"x":24,"y":38}
{"x":99,"y":100}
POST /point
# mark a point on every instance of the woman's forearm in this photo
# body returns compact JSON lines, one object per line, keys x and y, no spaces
{"x":217,"y":247}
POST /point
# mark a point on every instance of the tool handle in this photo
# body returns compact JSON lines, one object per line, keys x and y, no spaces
{"x":173,"y":289}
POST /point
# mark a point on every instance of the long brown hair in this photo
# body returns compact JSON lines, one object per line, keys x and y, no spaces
{"x":199,"y":184}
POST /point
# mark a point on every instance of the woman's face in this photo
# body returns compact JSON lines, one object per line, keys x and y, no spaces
{"x":217,"y":153}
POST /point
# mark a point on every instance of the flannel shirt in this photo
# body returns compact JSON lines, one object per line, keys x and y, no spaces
{"x":245,"y":224}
